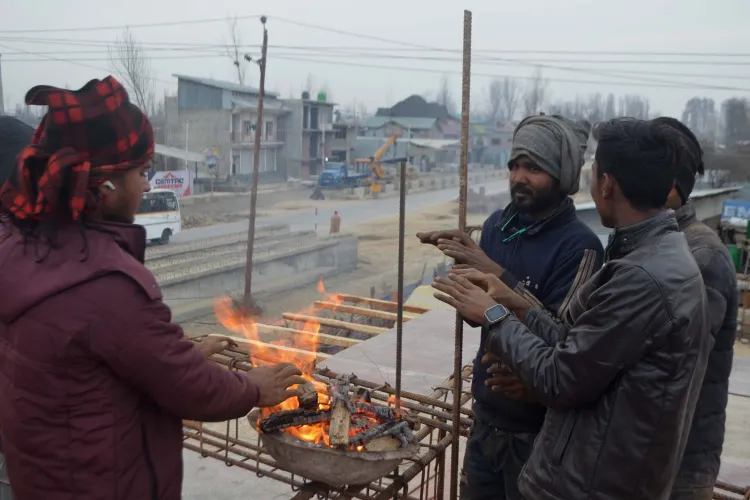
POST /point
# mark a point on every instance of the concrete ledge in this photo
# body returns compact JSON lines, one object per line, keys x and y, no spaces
{"x":154,"y":252}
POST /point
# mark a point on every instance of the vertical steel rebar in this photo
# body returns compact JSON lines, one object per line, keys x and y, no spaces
{"x":400,"y":293}
{"x":248,"y":298}
{"x":462,"y":191}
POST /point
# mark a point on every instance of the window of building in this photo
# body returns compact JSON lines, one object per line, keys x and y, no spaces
{"x":314,"y":118}
{"x":496,"y":141}
{"x":248,"y":127}
{"x":340,"y":133}
{"x":269,"y":131}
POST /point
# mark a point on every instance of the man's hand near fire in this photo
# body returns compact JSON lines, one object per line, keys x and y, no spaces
{"x":214,"y":345}
{"x":274,"y":383}
{"x":460,"y":247}
{"x":471,"y":293}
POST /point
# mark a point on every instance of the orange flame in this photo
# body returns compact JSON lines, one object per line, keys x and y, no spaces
{"x":299,"y":350}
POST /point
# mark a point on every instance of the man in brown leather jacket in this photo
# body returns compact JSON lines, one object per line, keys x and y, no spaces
{"x":621,"y":373}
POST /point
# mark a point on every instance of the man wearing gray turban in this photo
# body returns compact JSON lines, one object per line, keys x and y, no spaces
{"x":540,"y":249}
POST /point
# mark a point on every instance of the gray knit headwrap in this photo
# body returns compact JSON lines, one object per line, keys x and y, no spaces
{"x":556,"y":145}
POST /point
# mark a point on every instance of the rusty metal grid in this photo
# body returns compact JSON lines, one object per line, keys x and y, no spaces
{"x":726,"y":491}
{"x":420,"y":478}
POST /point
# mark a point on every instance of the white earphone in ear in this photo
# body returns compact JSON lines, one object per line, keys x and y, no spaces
{"x":108,"y":185}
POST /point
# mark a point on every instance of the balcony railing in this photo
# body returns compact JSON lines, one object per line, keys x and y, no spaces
{"x":243,"y":138}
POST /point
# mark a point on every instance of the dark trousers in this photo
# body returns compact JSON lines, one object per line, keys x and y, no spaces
{"x":493,"y":462}
{"x":695,"y":486}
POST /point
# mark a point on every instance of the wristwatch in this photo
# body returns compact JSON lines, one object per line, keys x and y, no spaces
{"x":495,"y":315}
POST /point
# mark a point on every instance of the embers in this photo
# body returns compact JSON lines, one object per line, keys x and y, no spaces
{"x":351,"y":422}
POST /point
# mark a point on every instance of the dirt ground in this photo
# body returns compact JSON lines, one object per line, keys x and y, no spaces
{"x":198,"y":218}
{"x":377,"y":263}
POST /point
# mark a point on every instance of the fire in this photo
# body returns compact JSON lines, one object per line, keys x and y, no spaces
{"x":301,"y":352}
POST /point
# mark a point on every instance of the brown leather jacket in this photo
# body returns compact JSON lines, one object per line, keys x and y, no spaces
{"x":620,"y":375}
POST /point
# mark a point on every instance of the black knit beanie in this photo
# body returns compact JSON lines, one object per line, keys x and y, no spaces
{"x":14,"y":136}
{"x":691,"y":157}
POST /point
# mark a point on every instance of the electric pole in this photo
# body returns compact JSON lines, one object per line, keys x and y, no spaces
{"x":248,"y":302}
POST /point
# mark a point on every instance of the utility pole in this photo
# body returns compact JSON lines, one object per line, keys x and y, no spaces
{"x":248,"y":302}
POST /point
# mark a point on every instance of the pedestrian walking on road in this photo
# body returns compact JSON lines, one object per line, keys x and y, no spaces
{"x":95,"y":379}
{"x":335,"y":222}
{"x":700,"y":464}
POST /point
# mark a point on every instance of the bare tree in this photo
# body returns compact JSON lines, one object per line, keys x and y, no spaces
{"x":130,"y":62}
{"x":700,"y":116}
{"x":234,"y":50}
{"x":309,"y":83}
{"x":635,"y":106}
{"x":326,"y":89}
{"x":736,"y":122}
{"x":609,"y":109}
{"x":511,"y":93}
{"x":445,"y":96}
{"x":495,"y":100}
{"x":536,"y":94}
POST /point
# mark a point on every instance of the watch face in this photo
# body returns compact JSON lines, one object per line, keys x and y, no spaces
{"x":495,"y":313}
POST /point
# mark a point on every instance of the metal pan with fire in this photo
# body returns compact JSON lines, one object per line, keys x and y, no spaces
{"x":337,"y":435}
{"x":332,"y":432}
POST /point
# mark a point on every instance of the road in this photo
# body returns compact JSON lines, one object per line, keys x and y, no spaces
{"x":352,"y":213}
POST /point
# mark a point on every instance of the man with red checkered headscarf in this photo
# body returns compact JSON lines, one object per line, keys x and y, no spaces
{"x":94,"y":377}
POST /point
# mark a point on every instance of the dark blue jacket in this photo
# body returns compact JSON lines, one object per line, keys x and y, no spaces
{"x":546,"y":261}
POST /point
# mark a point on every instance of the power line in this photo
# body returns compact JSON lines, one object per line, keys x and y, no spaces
{"x":619,"y":74}
{"x":416,"y":48}
{"x":338,"y":52}
{"x":50,"y":58}
{"x":410,"y":44}
{"x":560,"y":80}
{"x":371,"y":52}
{"x":124,"y":26}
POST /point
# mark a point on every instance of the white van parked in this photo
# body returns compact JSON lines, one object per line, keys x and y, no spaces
{"x":160,"y":214}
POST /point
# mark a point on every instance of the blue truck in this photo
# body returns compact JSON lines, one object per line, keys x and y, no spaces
{"x":338,"y":175}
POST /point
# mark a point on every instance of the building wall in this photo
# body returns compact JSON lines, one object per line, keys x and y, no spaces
{"x":243,"y":127}
{"x":267,"y":161}
{"x":205,"y":128}
{"x":290,"y":154}
{"x":343,"y":142}
{"x":196,"y":96}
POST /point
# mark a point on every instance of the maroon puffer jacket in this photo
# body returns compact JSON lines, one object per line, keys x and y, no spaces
{"x":94,"y":379}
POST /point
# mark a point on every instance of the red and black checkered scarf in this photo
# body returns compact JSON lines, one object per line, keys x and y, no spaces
{"x":87,"y":137}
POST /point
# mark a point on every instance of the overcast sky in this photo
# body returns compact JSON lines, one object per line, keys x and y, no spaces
{"x":365,"y":69}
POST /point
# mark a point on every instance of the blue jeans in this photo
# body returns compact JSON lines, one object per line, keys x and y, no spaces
{"x":493,"y":462}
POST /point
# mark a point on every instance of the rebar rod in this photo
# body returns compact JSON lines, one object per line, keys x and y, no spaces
{"x":462,"y":193}
{"x":400,"y":298}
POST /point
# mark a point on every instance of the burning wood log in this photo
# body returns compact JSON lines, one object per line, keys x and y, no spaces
{"x":338,"y":430}
{"x":396,"y":429}
{"x":308,"y":396}
{"x":363,"y":395}
{"x":292,"y":418}
{"x":380,"y":413}
{"x":383,"y":443}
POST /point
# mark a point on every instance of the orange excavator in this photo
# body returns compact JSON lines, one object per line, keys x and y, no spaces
{"x":377,"y":174}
